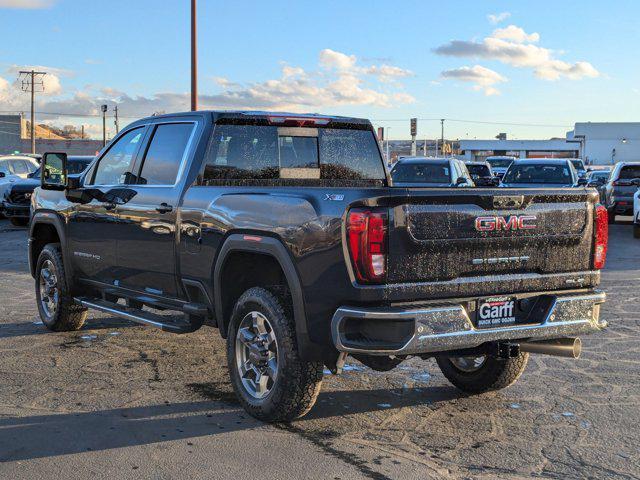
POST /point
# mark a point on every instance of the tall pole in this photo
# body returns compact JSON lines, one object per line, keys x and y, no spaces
{"x":194,"y":59}
{"x":388,"y":157}
{"x":29,"y":84}
{"x":442,"y":135}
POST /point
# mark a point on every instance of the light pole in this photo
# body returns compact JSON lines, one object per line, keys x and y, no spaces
{"x":388,"y":157}
{"x":194,"y":59}
{"x":104,"y":124}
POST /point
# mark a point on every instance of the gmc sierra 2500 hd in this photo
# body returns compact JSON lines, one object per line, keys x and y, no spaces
{"x":286,"y":233}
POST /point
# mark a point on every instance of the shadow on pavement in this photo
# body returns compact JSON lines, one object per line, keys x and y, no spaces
{"x":22,"y":329}
{"x":24,"y":438}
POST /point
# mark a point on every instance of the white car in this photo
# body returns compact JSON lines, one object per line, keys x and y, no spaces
{"x":14,"y":168}
{"x":636,"y":214}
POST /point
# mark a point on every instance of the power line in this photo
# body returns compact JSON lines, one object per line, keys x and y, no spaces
{"x":515,"y":124}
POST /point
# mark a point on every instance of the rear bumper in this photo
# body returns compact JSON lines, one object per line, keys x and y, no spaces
{"x":443,"y":327}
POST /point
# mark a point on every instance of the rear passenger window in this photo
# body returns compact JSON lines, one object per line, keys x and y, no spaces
{"x":164,"y":155}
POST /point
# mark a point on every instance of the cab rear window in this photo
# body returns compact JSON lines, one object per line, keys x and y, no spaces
{"x":271,"y":152}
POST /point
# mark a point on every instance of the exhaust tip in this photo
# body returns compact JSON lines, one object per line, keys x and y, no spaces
{"x":560,"y":347}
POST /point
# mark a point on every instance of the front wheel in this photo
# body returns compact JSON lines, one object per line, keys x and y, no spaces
{"x":482,"y":373}
{"x":57,"y":309}
{"x":271,"y":381}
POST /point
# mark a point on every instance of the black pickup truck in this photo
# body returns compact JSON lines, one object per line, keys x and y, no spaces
{"x":286,"y":233}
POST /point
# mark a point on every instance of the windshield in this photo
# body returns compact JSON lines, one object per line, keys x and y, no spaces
{"x":577,"y":164}
{"x":421,"y":173}
{"x":477,"y":171}
{"x":538,"y":173}
{"x":600,"y":175}
{"x":499,"y":162}
{"x":630,"y":172}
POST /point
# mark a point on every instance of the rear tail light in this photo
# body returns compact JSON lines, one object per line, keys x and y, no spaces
{"x":367,"y":237}
{"x":298,"y":121}
{"x":602,"y":237}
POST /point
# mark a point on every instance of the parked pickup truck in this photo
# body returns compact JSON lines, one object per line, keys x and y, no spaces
{"x":285,"y":232}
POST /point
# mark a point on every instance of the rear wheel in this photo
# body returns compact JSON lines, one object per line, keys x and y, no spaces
{"x":271,"y":381}
{"x":482,"y":373}
{"x":636,"y":230}
{"x":19,"y":221}
{"x":611,"y":216}
{"x":57,"y":309}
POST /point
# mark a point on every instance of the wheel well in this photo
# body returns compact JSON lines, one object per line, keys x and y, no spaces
{"x":244,"y":270}
{"x":42,"y":234}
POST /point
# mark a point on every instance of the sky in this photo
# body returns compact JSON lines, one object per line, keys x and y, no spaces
{"x":530,"y":69}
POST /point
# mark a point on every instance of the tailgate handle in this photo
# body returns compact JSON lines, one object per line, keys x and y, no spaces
{"x":508,"y":201}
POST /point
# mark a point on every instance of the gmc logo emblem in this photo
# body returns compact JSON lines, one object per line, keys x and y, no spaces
{"x":512,"y":222}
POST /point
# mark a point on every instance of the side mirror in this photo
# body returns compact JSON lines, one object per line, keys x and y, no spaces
{"x":2,"y":175}
{"x":54,"y":171}
{"x":582,"y":182}
{"x":461,"y":181}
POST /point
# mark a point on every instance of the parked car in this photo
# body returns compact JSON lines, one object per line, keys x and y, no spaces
{"x":431,"y":171}
{"x":481,"y":174}
{"x":578,"y":164}
{"x":623,"y":183}
{"x":12,"y":169}
{"x":598,"y":180}
{"x":636,"y":214}
{"x":499,"y":164}
{"x":286,"y":233}
{"x":540,"y":172}
{"x":17,"y":198}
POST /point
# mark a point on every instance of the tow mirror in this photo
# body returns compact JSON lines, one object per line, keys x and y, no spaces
{"x":54,"y":171}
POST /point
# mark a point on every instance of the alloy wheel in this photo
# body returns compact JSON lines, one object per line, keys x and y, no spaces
{"x":257,"y":354}
{"x":468,"y":364}
{"x":49,"y":291}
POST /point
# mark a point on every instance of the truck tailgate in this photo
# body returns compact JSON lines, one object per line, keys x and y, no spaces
{"x":441,"y":235}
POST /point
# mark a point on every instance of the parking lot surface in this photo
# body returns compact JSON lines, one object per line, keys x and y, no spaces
{"x":118,"y":400}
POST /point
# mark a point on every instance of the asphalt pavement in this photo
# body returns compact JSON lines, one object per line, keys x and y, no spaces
{"x":118,"y":400}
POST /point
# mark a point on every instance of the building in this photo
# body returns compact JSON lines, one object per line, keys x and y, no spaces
{"x":14,"y":138}
{"x":554,"y":148}
{"x":606,"y":143}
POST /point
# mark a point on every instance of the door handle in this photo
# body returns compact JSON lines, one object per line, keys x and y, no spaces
{"x":164,"y":208}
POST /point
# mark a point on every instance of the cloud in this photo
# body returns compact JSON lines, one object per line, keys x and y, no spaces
{"x":339,"y":80}
{"x":27,"y":4}
{"x":496,"y":18}
{"x":483,"y":78}
{"x":515,"y":34}
{"x":513,"y":46}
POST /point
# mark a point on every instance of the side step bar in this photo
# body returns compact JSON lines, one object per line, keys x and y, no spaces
{"x":141,"y":316}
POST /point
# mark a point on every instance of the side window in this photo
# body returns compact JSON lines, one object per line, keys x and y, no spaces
{"x":119,"y":159}
{"x":298,"y":152}
{"x":242,"y":152}
{"x":164,"y":154}
{"x":4,"y":168}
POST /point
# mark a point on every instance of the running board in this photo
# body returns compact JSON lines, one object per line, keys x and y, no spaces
{"x":139,"y":316}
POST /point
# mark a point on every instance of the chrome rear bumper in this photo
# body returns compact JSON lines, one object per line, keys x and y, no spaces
{"x":444,"y":327}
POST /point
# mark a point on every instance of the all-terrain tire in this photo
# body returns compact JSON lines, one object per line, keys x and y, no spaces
{"x":66,"y":314}
{"x":297,"y":383}
{"x":19,"y":221}
{"x":494,"y":374}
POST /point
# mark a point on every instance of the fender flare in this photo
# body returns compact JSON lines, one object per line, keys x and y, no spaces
{"x":276,"y":249}
{"x":49,"y":218}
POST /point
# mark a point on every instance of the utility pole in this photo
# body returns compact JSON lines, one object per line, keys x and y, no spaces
{"x":81,"y":132}
{"x":388,"y":157}
{"x":29,"y":80}
{"x":442,"y":135}
{"x":194,"y":59}
{"x":414,"y":132}
{"x":104,"y":124}
{"x":115,"y":110}
{"x":424,"y":150}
